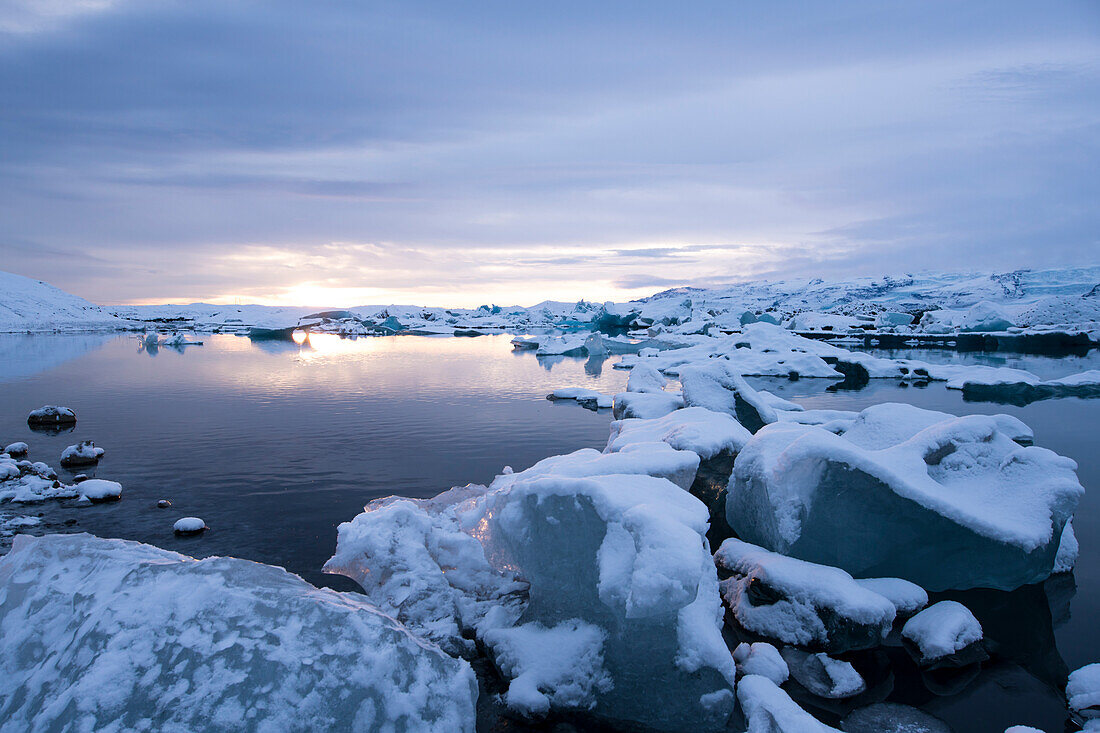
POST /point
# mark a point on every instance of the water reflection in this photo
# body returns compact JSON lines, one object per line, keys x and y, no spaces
{"x":273,"y":443}
{"x":23,"y":355}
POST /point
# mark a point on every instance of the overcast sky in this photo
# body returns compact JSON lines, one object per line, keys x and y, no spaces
{"x":335,"y":153}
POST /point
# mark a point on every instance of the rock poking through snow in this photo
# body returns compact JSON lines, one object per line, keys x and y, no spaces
{"x":797,"y":602}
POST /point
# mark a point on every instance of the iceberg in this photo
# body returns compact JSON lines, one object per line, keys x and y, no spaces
{"x":940,"y":501}
{"x":100,"y":634}
{"x":592,"y":594}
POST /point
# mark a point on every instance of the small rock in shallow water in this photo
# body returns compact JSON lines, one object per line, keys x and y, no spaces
{"x":50,"y":415}
{"x":17,"y":450}
{"x":97,"y":490}
{"x":189,"y":526}
{"x":164,"y":503}
{"x":80,"y":477}
{"x":945,"y":634}
{"x":823,"y":675}
{"x":84,"y":453}
{"x":888,"y":717}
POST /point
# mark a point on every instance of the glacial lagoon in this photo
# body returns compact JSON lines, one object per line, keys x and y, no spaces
{"x":275,"y":443}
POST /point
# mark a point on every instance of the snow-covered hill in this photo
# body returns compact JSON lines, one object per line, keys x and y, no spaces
{"x":32,"y":305}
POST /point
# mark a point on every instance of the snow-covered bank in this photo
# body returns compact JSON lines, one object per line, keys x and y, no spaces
{"x":31,"y":305}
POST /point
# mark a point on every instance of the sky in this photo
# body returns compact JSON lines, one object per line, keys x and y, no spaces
{"x":348,"y":152}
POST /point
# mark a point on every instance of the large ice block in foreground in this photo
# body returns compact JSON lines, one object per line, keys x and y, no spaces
{"x":943,"y":502}
{"x":625,"y":554}
{"x":100,"y":634}
{"x":587,"y":582}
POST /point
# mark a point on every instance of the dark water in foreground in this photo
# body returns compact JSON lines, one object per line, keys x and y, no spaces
{"x":275,"y":445}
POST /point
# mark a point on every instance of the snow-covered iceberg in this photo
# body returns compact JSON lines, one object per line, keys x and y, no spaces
{"x":100,"y":634}
{"x":941,"y":501}
{"x":592,"y":594}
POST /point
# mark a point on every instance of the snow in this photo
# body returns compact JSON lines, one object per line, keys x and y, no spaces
{"x":656,"y":459}
{"x":187,"y":525}
{"x":645,"y":378}
{"x":942,"y":629}
{"x":30,"y":305}
{"x":645,"y":405}
{"x":17,"y":450}
{"x":1083,"y":691}
{"x":760,"y":658}
{"x":996,"y":509}
{"x":954,"y":302}
{"x":908,"y":598}
{"x":696,"y":429}
{"x":797,"y":602}
{"x":822,"y":675}
{"x":97,"y":490}
{"x":769,"y":709}
{"x":561,"y":666}
{"x":100,"y":634}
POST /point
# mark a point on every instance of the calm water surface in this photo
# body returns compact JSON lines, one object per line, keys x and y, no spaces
{"x":275,"y":444}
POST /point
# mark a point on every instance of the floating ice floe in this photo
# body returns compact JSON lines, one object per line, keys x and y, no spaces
{"x":868,"y":500}
{"x":84,"y":453}
{"x":50,"y":416}
{"x":589,"y":398}
{"x":797,"y":602}
{"x":615,"y":576}
{"x":562,"y":346}
{"x":100,"y":634}
{"x":944,"y":634}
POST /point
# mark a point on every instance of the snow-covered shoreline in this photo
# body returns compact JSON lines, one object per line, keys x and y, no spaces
{"x":925,"y":307}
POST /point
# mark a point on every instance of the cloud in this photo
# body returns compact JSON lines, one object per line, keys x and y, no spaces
{"x":520,"y":152}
